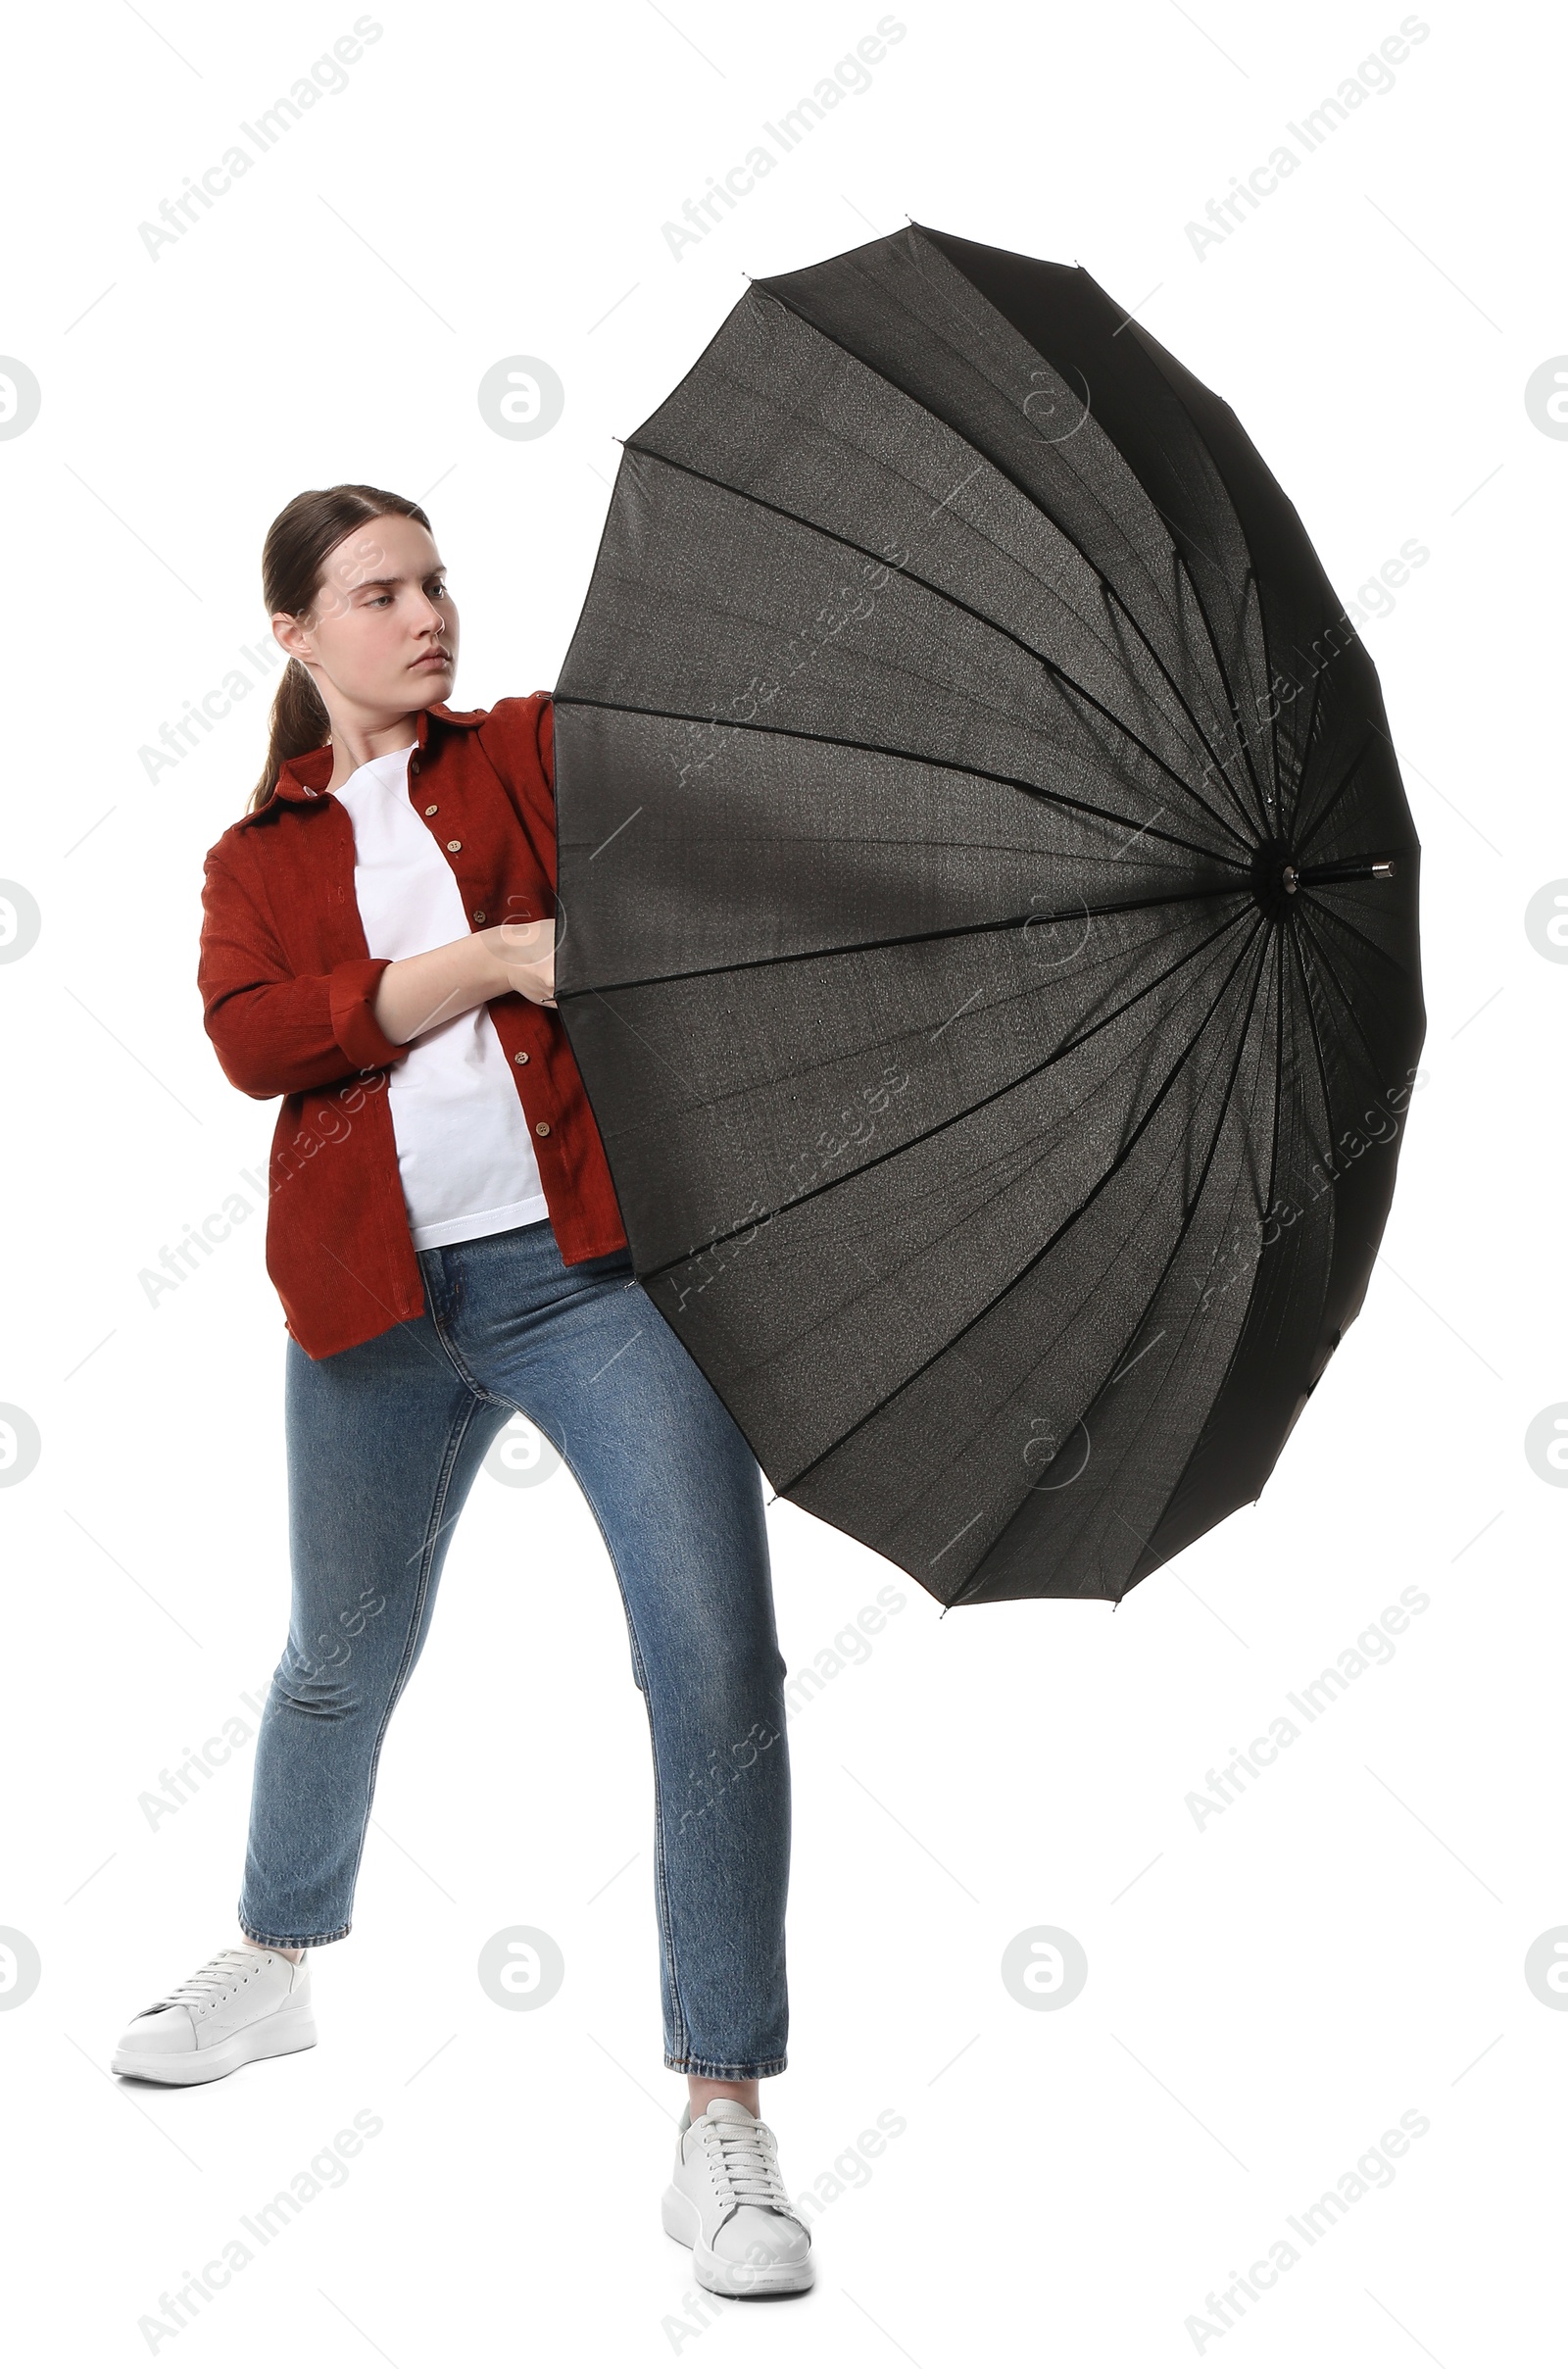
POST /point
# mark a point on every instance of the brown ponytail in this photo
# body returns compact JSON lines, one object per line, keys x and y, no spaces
{"x":298,"y":542}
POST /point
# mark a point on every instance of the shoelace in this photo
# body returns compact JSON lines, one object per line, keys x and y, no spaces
{"x":744,"y":2158}
{"x":219,"y":1974}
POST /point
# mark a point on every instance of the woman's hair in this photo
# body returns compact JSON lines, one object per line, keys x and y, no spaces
{"x":299,"y":543}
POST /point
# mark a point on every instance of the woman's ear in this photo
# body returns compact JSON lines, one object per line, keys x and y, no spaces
{"x":290,"y":634}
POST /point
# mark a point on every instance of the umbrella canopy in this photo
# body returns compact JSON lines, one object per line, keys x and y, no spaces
{"x":987,"y":913}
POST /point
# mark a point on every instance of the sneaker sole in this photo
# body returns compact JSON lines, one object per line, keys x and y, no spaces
{"x":683,"y":2222}
{"x":277,"y":2035}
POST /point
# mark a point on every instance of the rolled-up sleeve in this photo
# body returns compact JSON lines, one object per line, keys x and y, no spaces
{"x":274,"y":1031}
{"x":352,"y":1007}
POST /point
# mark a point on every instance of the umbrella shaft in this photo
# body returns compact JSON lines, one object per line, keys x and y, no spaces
{"x":1314,"y":873}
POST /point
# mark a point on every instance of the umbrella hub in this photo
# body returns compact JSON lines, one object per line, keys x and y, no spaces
{"x":1275,"y":877}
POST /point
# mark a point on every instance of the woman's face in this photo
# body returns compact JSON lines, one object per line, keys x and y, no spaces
{"x":381,"y":635}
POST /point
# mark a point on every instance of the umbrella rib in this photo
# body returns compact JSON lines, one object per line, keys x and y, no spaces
{"x":1146,"y":1543}
{"x":1318,"y":673}
{"x":956,"y":1117}
{"x":917,"y":937}
{"x":1328,"y":972}
{"x":1326,"y":964}
{"x":1278,"y":936}
{"x":1121,"y":1161}
{"x":1252,"y":598}
{"x":1317,"y":1050}
{"x":1089,"y":492}
{"x":939,"y":592}
{"x":1108,"y":592}
{"x":1182,"y":1232}
{"x":1327,"y":912}
{"x":1309,"y":736}
{"x":1187,"y":1222}
{"x":946,"y":765}
{"x":1181,"y":535}
{"x":994,"y":1162}
{"x":1092,"y":494}
{"x":1346,"y":779}
{"x":1148,"y":345}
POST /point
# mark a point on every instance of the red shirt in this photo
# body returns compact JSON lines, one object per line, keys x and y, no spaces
{"x":288,"y":988}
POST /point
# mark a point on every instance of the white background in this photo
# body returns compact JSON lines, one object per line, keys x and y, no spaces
{"x":1267,"y":1994}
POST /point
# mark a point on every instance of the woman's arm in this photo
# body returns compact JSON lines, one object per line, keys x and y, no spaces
{"x":277,"y":1032}
{"x":421,"y":991}
{"x":274,"y":1030}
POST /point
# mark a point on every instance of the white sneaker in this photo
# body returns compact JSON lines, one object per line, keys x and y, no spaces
{"x":245,"y":2002}
{"x":727,"y":2201}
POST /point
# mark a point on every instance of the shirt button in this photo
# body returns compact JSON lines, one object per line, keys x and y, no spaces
{"x":453,"y":847}
{"x":521,"y":1059}
{"x":541,"y":1126}
{"x":479,"y":917}
{"x":431,"y":809}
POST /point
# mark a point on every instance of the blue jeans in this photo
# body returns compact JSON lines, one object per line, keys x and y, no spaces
{"x":384,"y":1441}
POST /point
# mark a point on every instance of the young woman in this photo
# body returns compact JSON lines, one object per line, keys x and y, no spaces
{"x":377,"y":948}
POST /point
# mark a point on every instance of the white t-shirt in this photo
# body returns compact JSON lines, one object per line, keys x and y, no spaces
{"x":465,"y":1153}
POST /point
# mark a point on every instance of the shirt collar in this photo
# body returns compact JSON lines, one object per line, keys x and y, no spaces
{"x":302,"y":780}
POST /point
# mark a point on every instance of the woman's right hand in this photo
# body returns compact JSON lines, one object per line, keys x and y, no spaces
{"x":524,"y":954}
{"x":421,"y":992}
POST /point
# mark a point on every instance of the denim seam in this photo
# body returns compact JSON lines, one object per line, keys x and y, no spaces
{"x":706,"y":2070}
{"x":666,"y":1925}
{"x":667,"y":1922}
{"x":458,"y":1434}
{"x":454,"y":1356}
{"x":293,"y":1941}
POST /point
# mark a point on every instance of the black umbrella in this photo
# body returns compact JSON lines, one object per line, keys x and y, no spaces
{"x":988,"y":911}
